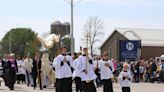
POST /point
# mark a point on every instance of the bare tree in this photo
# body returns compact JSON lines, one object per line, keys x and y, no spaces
{"x":94,"y":32}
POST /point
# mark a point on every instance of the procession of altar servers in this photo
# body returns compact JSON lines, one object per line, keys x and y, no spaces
{"x":63,"y":69}
{"x":82,"y":68}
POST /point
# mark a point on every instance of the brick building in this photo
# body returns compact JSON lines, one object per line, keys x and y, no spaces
{"x":152,"y":42}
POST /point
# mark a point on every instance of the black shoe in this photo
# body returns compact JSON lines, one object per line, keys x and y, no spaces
{"x":44,"y":86}
{"x":11,"y":88}
{"x":18,"y":82}
{"x":41,"y":88}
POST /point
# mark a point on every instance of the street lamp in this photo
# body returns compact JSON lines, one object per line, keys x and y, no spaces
{"x":71,"y":32}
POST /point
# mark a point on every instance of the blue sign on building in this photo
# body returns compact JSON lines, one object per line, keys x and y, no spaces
{"x":129,"y":49}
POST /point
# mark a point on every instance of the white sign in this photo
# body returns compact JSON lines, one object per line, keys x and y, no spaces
{"x":129,"y":46}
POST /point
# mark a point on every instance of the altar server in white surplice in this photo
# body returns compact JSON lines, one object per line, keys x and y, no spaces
{"x":125,"y":79}
{"x":86,"y":67}
{"x":63,"y":64}
{"x":106,"y":68}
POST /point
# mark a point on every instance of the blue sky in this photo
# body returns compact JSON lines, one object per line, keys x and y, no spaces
{"x":39,"y":14}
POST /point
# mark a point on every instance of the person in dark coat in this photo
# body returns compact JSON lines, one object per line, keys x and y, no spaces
{"x":97,"y":72}
{"x":6,"y":69}
{"x":36,"y":70}
{"x":39,"y":73}
{"x":1,"y":69}
{"x":12,"y":71}
{"x":136,"y":72}
{"x":153,"y":68}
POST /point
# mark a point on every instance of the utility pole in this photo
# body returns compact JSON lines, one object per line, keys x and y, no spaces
{"x":71,"y":28}
{"x":87,"y":39}
{"x":71,"y":33}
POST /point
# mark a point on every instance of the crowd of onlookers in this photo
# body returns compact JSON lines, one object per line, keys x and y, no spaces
{"x":142,"y":71}
{"x":148,"y":70}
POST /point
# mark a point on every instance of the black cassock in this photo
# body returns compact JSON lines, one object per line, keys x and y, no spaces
{"x":5,"y":72}
{"x":12,"y":69}
{"x":36,"y":72}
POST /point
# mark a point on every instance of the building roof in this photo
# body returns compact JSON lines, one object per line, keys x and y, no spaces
{"x":56,"y":23}
{"x":66,"y":23}
{"x":148,"y":37}
{"x":59,"y":23}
